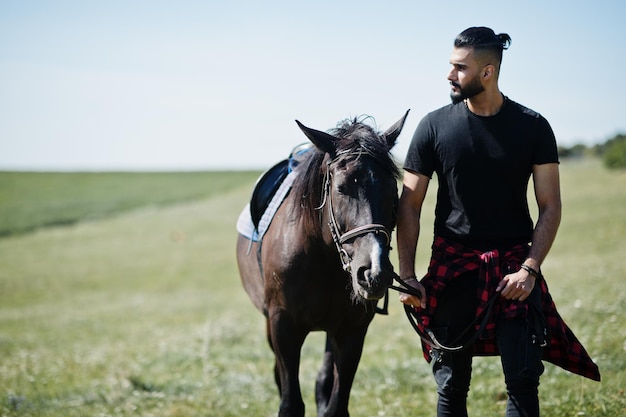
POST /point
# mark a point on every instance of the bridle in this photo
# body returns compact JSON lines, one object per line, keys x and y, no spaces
{"x":341,"y":238}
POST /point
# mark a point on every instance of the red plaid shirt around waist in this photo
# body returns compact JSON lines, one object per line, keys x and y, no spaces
{"x":451,"y":259}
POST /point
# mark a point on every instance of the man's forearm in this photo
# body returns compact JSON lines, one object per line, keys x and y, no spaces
{"x":543,"y":236}
{"x":408,"y":233}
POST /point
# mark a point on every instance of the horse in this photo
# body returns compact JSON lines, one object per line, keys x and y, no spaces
{"x":323,"y":263}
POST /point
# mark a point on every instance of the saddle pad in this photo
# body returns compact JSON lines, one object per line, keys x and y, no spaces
{"x":265,"y":188}
{"x":269,"y":192}
{"x":245,"y":225}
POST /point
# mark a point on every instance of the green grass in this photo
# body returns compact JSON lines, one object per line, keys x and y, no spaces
{"x":143,"y":314}
{"x":30,"y":200}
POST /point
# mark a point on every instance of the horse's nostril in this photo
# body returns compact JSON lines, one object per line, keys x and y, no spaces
{"x":364,"y":276}
{"x":368,"y":279}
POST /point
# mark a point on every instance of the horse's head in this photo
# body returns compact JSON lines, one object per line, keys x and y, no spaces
{"x":356,"y":200}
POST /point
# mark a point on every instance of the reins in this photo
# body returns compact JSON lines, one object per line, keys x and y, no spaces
{"x":427,"y":334}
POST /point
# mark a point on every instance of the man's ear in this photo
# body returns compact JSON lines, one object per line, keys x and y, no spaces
{"x":488,"y":71}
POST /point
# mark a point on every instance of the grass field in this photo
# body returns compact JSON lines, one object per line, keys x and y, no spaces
{"x":136,"y":309}
{"x":31,"y":200}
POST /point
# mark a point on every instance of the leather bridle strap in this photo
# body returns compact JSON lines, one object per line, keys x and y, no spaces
{"x":362,"y":230}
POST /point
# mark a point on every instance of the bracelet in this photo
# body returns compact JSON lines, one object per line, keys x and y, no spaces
{"x":410,"y":278}
{"x":531,"y":271}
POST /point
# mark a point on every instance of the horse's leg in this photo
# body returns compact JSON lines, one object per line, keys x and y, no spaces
{"x":268,"y":332}
{"x":287,"y":340}
{"x":347,"y":353}
{"x":325,"y":379}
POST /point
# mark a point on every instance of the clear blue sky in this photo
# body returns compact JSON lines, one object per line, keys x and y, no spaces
{"x":168,"y":85}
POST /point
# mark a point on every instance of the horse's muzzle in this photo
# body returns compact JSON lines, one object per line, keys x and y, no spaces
{"x":372,"y":284}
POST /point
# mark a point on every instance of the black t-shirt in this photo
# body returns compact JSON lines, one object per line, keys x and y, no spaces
{"x":483,"y":166}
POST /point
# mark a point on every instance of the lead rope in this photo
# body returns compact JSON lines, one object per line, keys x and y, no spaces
{"x":428,"y":336}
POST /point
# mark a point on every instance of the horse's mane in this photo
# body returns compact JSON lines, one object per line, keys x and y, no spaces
{"x":352,"y":135}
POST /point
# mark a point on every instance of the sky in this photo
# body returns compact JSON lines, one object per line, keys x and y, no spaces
{"x":203,"y":85}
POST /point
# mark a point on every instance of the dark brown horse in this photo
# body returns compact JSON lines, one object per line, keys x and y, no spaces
{"x":324,"y":260}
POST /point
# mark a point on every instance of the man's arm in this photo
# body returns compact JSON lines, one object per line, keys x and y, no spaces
{"x":409,"y":210}
{"x":548,"y":195}
{"x":517,"y":286}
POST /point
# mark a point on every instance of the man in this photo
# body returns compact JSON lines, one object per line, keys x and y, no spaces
{"x":484,"y":148}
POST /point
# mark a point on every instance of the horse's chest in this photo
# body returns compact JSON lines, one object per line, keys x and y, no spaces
{"x":330,"y":316}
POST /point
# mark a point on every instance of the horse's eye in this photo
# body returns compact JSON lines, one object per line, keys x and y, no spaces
{"x":349,"y":186}
{"x":343,"y":187}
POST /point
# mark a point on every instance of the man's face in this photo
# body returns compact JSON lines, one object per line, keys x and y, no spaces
{"x":464,"y":76}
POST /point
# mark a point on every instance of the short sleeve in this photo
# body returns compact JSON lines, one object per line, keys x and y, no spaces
{"x":420,"y":156}
{"x":546,"y":151}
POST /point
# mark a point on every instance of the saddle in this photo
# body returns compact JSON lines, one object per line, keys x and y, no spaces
{"x":265,"y":188}
{"x":270,"y":181}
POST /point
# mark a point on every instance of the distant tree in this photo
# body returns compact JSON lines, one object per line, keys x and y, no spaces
{"x":614,"y":155}
{"x":575,"y":151}
{"x":598,"y":149}
{"x":564,"y":152}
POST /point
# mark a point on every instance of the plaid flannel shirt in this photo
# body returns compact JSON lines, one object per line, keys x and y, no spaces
{"x":451,"y":259}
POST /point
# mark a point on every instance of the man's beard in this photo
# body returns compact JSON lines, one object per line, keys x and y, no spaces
{"x":469,"y":91}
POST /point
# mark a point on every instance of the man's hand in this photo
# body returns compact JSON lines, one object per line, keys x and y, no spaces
{"x":413,"y":300}
{"x":516,"y":286}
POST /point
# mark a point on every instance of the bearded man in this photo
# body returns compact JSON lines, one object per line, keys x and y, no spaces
{"x":484,"y":149}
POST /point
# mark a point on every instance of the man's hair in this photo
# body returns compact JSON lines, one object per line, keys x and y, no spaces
{"x":483,"y":39}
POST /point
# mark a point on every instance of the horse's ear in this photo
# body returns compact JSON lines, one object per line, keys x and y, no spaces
{"x":322,"y":140}
{"x":394,"y":131}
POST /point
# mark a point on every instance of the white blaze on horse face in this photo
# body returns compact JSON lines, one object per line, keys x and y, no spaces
{"x":376,"y":254}
{"x":367,"y":275}
{"x":373,"y":259}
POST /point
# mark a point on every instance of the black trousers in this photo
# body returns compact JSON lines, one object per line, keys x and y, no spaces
{"x":520,"y":357}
